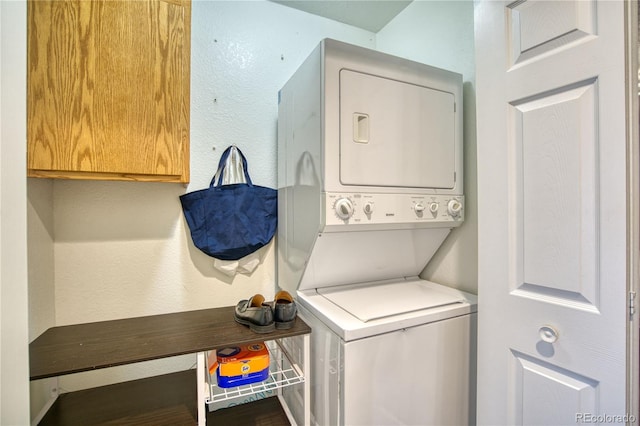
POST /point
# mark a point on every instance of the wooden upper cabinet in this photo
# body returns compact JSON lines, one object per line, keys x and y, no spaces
{"x":108,"y":89}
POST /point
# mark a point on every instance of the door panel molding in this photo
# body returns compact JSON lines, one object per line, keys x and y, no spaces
{"x":550,"y":395}
{"x":554,"y":196}
{"x":537,"y":28}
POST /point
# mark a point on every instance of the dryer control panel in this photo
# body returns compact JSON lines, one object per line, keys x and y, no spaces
{"x":380,"y":209}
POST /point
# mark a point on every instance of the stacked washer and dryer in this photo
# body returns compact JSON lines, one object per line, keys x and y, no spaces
{"x":370,"y":178}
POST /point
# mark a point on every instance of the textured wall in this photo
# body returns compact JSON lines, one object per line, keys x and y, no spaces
{"x":14,"y":333}
{"x":122,"y":249}
{"x":41,"y":276}
{"x":440,"y":33}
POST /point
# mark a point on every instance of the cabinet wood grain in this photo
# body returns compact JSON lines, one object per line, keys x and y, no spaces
{"x":108,"y":89}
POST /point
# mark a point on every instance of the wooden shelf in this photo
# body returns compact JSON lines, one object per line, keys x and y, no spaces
{"x":90,"y":346}
{"x":167,"y":400}
{"x":170,"y":399}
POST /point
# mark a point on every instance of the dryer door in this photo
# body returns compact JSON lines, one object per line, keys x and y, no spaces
{"x":395,"y":134}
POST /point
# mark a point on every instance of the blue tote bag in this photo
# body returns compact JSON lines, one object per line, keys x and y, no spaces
{"x":231,"y":221}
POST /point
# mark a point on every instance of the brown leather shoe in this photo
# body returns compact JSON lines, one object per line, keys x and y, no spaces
{"x":284,"y":310}
{"x":256,"y":314}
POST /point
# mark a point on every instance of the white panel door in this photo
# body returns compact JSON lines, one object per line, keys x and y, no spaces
{"x":552,"y":201}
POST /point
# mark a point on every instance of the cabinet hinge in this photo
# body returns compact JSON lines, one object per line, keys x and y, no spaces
{"x":632,"y":304}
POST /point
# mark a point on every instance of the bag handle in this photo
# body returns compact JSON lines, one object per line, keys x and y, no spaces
{"x":229,"y":159}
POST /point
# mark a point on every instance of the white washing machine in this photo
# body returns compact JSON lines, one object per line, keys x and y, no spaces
{"x":369,"y":186}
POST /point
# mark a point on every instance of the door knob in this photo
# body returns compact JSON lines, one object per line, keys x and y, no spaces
{"x":548,"y":333}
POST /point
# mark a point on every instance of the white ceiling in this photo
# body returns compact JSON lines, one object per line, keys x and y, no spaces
{"x":371,"y":15}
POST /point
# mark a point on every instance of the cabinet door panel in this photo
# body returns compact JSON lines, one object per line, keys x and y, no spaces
{"x":108,"y":89}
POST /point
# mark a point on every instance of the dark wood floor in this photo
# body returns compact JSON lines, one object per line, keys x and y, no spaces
{"x":264,"y":412}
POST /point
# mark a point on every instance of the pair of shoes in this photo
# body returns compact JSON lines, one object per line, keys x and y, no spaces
{"x":264,"y":317}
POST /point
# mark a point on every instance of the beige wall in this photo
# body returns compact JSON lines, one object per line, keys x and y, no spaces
{"x":14,"y":333}
{"x":122,"y":249}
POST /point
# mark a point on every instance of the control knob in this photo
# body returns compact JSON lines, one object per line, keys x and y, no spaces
{"x":454,"y":207}
{"x":343,"y":208}
{"x":368,"y":208}
{"x":418,"y":208}
{"x":433,"y":207}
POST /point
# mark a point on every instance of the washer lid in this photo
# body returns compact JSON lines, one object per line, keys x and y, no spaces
{"x":377,"y":301}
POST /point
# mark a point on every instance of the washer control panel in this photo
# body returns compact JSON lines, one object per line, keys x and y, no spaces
{"x":373,"y":209}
